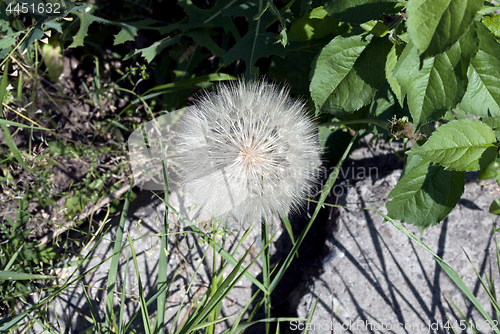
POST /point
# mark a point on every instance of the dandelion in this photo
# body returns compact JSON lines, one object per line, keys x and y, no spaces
{"x":247,"y":149}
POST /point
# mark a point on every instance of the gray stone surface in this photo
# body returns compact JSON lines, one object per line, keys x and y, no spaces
{"x":374,"y":278}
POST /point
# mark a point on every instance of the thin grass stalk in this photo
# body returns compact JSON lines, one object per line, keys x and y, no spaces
{"x":142,"y":300}
{"x":213,"y":289}
{"x":266,"y":270}
{"x":161,"y":302}
{"x":122,"y":301}
{"x":97,"y":327}
{"x":309,"y":318}
{"x":464,"y":318}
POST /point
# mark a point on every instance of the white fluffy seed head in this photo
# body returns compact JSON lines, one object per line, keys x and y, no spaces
{"x":247,"y":149}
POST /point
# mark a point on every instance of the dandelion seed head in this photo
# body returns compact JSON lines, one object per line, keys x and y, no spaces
{"x":247,"y":149}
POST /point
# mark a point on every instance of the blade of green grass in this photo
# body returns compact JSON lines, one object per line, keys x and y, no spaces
{"x":122,"y":301}
{"x":309,"y":318}
{"x":191,"y":282}
{"x":163,"y":264}
{"x":469,"y":325}
{"x":189,"y":83}
{"x":266,"y":276}
{"x":144,"y":307}
{"x":92,"y":312}
{"x":15,"y":276}
{"x":20,"y":125}
{"x":13,"y":258}
{"x":289,"y":229}
{"x":151,"y":301}
{"x":213,"y":289}
{"x":110,"y":318}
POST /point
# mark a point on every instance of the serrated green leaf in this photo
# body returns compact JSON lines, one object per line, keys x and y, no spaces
{"x":6,"y":42}
{"x":492,"y":122}
{"x":154,"y":49}
{"x":348,"y":71}
{"x":358,"y":11}
{"x":126,"y":33}
{"x":465,"y":145}
{"x":425,"y":195}
{"x":482,"y":97}
{"x":333,"y":64}
{"x":435,"y":87}
{"x":392,"y":59}
{"x":493,"y":24}
{"x":436,"y":25}
{"x":85,"y":21}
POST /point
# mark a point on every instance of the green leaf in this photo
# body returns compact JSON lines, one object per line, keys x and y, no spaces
{"x":52,"y":57}
{"x":492,"y":122}
{"x":12,"y":275}
{"x":314,"y":25}
{"x":217,"y":16}
{"x":203,"y":38}
{"x":348,"y":71}
{"x":465,"y":145}
{"x":493,"y":24}
{"x":154,"y":49}
{"x":34,"y":34}
{"x":127,"y":33}
{"x":383,"y":108}
{"x":482,"y":97}
{"x":392,"y":59}
{"x":256,"y":43}
{"x":435,"y":25}
{"x":358,"y":11}
{"x":495,"y":207}
{"x":490,"y":172}
{"x":85,"y":21}
{"x":435,"y":87}
{"x":425,"y":195}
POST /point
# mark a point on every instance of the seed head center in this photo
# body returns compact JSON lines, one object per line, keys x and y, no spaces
{"x":251,"y":156}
